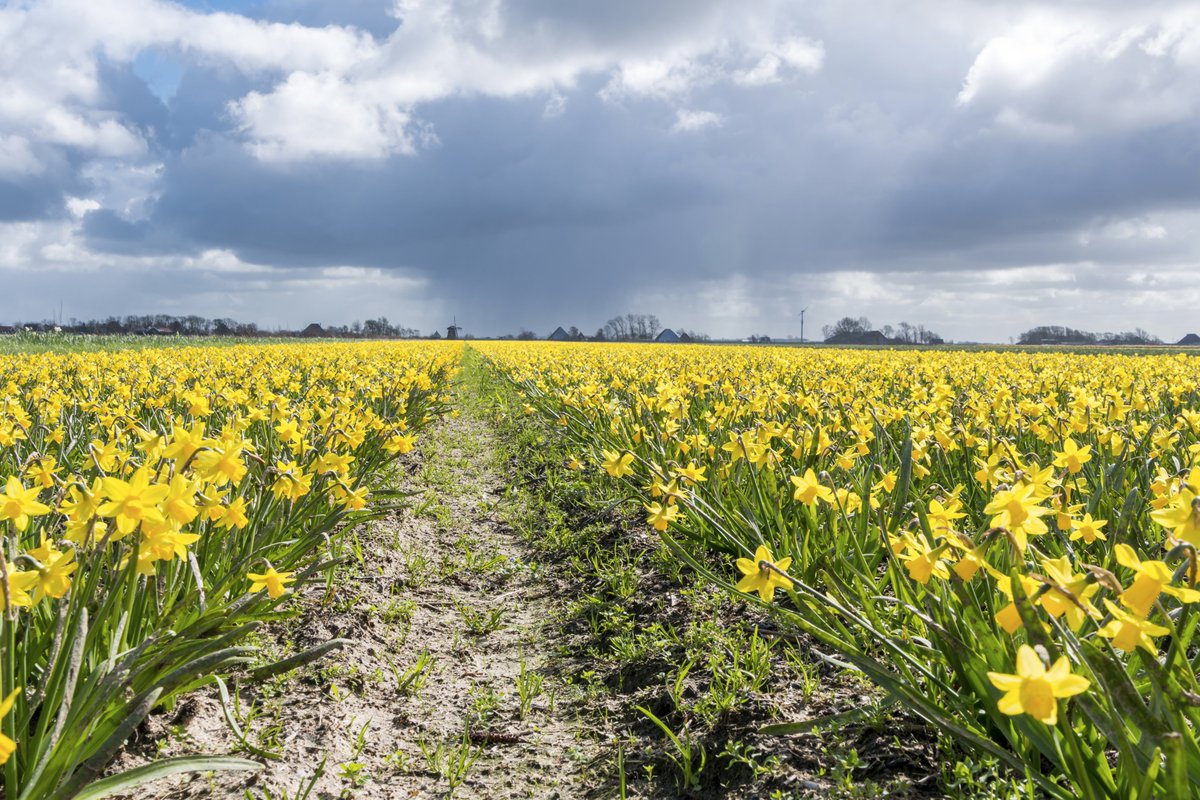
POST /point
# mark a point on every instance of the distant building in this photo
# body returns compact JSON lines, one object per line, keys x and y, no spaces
{"x":452,"y":331}
{"x":685,"y":337}
{"x":313,"y":331}
{"x":667,"y":336}
{"x":559,"y":335}
{"x":1191,"y":340}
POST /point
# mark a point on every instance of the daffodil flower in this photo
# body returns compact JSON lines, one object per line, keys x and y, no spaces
{"x":20,"y":582}
{"x":808,"y":489}
{"x":922,"y":559}
{"x":1072,"y":456}
{"x":274,"y":582}
{"x":1087,"y":529}
{"x":1151,"y":578}
{"x":399,"y":444}
{"x":617,"y":465}
{"x":1129,"y":631}
{"x":661,"y":515}
{"x":54,"y":578}
{"x":763,"y":574}
{"x":1035,"y":690}
{"x":18,"y":504}
{"x":1009,"y":617}
{"x":7,"y":745}
{"x":1181,"y":516}
{"x":691,"y":473}
{"x":134,"y":501}
{"x":1075,"y":605}
{"x":1017,"y":511}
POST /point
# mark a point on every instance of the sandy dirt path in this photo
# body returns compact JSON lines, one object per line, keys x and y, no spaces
{"x":443,"y":684}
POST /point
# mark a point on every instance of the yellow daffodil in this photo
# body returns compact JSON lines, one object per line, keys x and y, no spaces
{"x":221,"y":464}
{"x":400,"y":444}
{"x":1070,"y":593}
{"x":1182,"y":516}
{"x":1035,"y":690}
{"x":274,"y":582}
{"x":1009,"y":617}
{"x":1017,"y":511}
{"x":7,"y":745}
{"x":18,"y":504}
{"x":1072,"y":456}
{"x":617,"y":465}
{"x":20,"y":583}
{"x":1129,"y":631}
{"x":661,"y":515}
{"x":134,"y":501}
{"x":1151,"y":578}
{"x":1088,"y":529}
{"x":808,"y":489}
{"x":54,"y":577}
{"x":763,"y":574}
{"x":232,"y":515}
{"x":922,"y":559}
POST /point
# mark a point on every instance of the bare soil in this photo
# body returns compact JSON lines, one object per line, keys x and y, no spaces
{"x":444,"y":580}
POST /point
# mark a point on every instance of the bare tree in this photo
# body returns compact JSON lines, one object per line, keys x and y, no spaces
{"x":847,"y":326}
{"x":640,"y":327}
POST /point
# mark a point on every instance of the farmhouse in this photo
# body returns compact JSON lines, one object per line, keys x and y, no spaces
{"x":667,"y":336}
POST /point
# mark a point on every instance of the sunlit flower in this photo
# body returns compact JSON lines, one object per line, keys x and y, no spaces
{"x":1035,"y":690}
{"x":763,"y":574}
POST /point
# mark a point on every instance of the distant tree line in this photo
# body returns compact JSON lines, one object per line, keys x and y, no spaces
{"x":858,"y":330}
{"x":622,"y":328}
{"x":378,"y":329}
{"x":1061,"y":334}
{"x":192,"y":325}
{"x":630,"y":327}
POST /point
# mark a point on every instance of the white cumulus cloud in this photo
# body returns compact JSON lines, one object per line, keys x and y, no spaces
{"x":1057,"y":71}
{"x":687,"y":121}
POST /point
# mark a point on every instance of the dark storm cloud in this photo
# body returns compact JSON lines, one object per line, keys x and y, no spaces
{"x":996,"y":186}
{"x":29,"y":198}
{"x":507,"y":200}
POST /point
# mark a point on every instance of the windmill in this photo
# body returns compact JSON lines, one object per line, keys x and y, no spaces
{"x":802,"y":324}
{"x":453,"y":330}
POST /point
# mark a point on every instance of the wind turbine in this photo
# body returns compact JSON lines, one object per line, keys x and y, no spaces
{"x":802,"y":324}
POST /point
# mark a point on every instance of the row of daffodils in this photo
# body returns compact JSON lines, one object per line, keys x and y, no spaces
{"x":157,"y":505}
{"x":1004,"y":542}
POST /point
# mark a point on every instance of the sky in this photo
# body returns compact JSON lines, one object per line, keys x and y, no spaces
{"x":976,"y":166}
